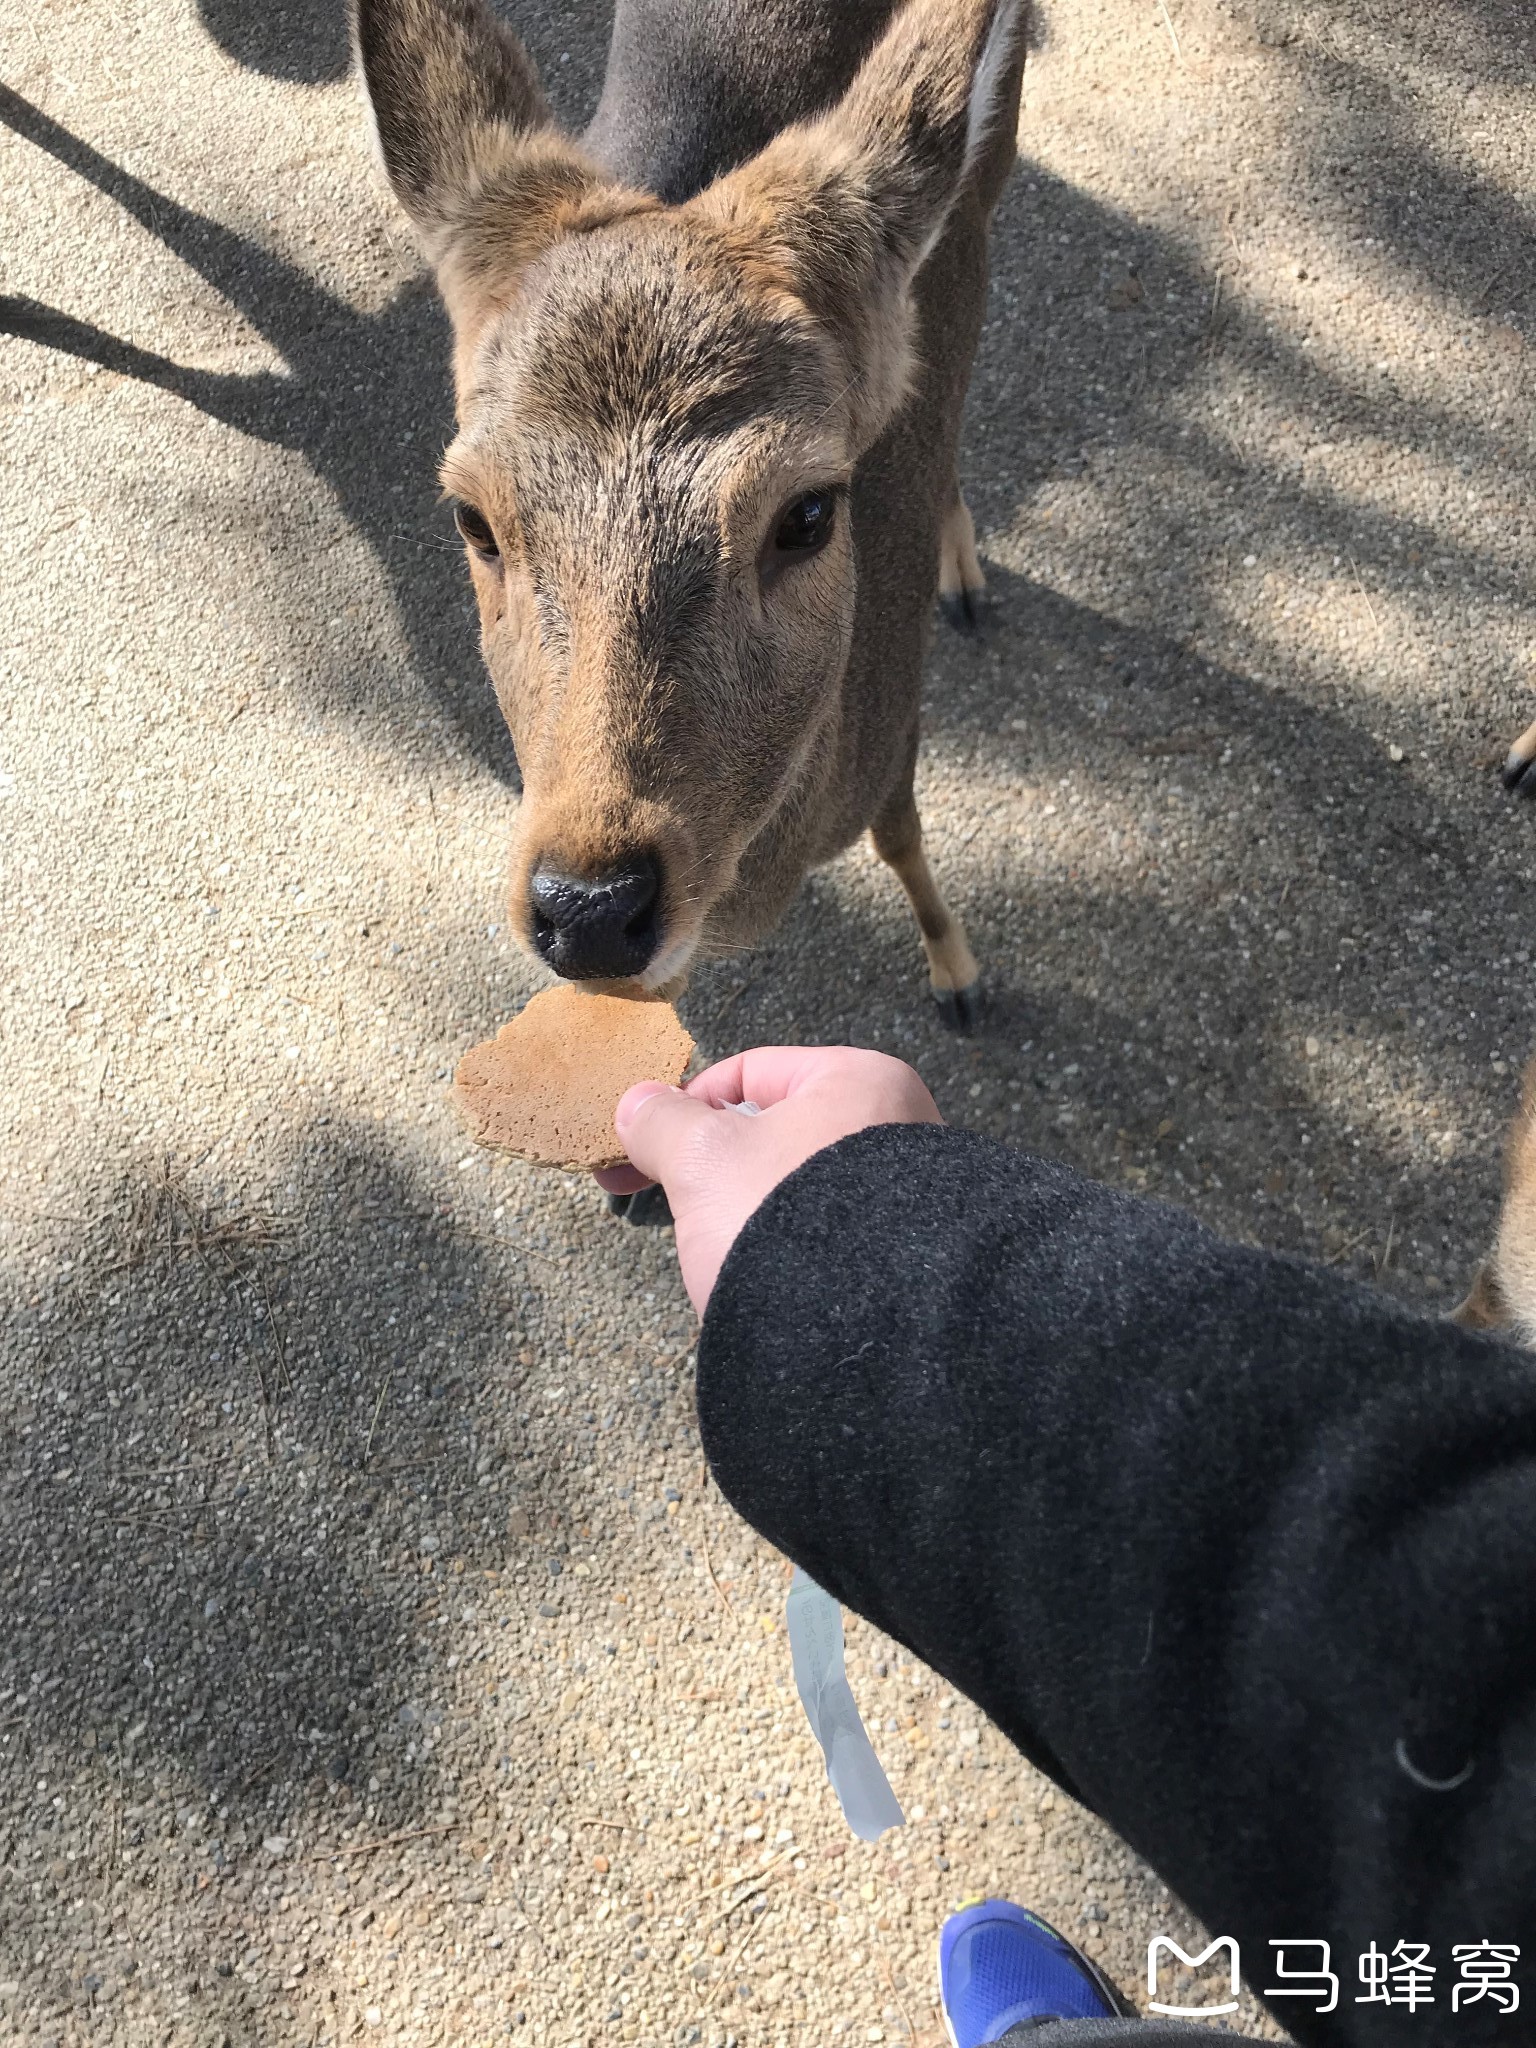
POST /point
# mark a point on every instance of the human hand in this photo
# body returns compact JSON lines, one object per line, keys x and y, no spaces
{"x":718,"y":1165}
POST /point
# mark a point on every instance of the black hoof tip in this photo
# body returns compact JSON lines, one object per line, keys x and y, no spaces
{"x":649,"y":1208}
{"x":965,"y":610}
{"x":1520,"y":774}
{"x":617,"y":1205}
{"x":959,"y":1008}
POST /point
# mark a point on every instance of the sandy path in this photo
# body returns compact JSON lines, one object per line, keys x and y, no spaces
{"x":348,"y":1484}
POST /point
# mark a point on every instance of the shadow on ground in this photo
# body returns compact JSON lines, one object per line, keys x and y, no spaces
{"x":211,"y":1543}
{"x":364,"y":398}
{"x":1189,"y":1076}
{"x":304,"y":42}
{"x":253,"y":1460}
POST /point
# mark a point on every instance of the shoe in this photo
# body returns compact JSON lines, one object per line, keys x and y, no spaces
{"x":1001,"y":1967}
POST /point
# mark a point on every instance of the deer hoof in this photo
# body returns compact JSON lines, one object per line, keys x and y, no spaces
{"x":965,"y":610}
{"x":959,"y":1008}
{"x":648,"y":1207}
{"x":1520,"y":773}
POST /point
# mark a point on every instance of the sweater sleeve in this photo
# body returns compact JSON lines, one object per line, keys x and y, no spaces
{"x":1242,"y":1554}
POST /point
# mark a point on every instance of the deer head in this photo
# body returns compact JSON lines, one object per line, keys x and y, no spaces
{"x":660,"y":409}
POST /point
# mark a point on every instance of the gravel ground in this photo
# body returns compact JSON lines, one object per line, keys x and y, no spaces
{"x":377,"y":1660}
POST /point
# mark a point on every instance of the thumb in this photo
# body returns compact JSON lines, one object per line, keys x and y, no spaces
{"x":655,"y":1124}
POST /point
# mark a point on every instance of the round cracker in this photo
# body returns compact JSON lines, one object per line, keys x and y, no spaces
{"x":546,"y":1086}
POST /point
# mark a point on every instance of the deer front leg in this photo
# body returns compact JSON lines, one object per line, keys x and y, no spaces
{"x":962,"y":586}
{"x":1520,"y":765}
{"x":1484,"y":1307}
{"x":952,"y":969}
{"x":648,"y":1206}
{"x":1503,"y":1294}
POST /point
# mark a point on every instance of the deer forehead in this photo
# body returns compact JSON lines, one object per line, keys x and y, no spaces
{"x":646,"y":328}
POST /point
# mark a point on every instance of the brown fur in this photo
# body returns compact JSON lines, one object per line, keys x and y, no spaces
{"x":1503,"y":1292}
{"x":1520,"y":762}
{"x":642,"y":388}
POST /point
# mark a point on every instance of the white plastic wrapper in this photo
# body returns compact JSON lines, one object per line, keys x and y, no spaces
{"x":815,"y":1624}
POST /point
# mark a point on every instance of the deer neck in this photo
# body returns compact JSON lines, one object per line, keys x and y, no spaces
{"x":694,"y":87}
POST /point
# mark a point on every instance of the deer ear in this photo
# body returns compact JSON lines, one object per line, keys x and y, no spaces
{"x":468,"y":145}
{"x":846,"y":208}
{"x":448,"y":87}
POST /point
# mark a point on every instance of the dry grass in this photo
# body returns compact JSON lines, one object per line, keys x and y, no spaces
{"x":159,"y":1215}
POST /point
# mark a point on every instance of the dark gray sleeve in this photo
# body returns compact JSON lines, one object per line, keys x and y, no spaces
{"x":1239,"y":1552}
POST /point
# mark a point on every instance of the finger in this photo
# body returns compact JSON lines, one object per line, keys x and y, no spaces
{"x":765,"y":1075}
{"x":632,"y":1098}
{"x":620,"y":1180}
{"x":627,"y":1179}
{"x":655,"y":1124}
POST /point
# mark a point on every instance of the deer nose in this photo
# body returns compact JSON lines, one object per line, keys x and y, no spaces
{"x":599,"y":929}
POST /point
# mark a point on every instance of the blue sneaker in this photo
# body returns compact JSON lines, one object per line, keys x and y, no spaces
{"x":1000,"y":1967}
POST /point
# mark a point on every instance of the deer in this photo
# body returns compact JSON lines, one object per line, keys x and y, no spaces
{"x":709,"y":363}
{"x":1502,"y":1296}
{"x":1519,"y":770}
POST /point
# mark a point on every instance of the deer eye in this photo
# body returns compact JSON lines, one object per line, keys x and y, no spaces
{"x":804,"y":525}
{"x":475,"y":532}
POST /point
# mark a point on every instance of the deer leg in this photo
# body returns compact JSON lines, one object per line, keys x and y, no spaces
{"x":1503,"y":1293}
{"x":646,"y":1207}
{"x":1484,"y":1307}
{"x":952,"y":969}
{"x":1520,"y":767}
{"x":962,"y":586}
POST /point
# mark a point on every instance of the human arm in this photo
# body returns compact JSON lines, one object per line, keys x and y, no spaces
{"x":1239,"y":1552}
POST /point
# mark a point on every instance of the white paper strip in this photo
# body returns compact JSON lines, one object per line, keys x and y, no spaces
{"x":815,"y":1624}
